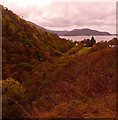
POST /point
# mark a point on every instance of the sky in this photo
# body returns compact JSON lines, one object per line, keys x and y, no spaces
{"x":67,"y":14}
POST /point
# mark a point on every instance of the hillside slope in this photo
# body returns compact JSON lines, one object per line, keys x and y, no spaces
{"x":48,"y":77}
{"x":26,"y":45}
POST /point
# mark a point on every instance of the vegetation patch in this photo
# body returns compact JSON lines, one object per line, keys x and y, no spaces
{"x":83,"y":50}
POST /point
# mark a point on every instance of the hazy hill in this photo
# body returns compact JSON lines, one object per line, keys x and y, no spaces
{"x":80,"y":32}
{"x":74,"y":32}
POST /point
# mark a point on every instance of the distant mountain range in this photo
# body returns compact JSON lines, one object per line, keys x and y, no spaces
{"x":80,"y":32}
{"x":75,"y":32}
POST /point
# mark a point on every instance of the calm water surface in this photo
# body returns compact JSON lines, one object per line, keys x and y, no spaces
{"x":97,"y":38}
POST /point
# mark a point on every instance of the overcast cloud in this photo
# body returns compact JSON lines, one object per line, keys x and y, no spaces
{"x":67,"y":15}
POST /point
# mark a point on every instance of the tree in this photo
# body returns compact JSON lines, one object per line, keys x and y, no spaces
{"x":93,"y":41}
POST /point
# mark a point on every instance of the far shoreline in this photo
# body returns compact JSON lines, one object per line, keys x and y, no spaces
{"x":98,"y":38}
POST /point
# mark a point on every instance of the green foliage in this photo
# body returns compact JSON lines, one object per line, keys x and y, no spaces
{"x":12,"y":88}
{"x":83,"y":50}
{"x":13,"y":95}
{"x":75,"y":49}
{"x":12,"y":27}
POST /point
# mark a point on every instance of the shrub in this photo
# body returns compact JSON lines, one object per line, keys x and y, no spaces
{"x":57,"y":53}
{"x":25,"y":66}
{"x":13,"y":95}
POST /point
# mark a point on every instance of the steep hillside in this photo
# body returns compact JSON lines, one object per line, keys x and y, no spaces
{"x":25,"y":45}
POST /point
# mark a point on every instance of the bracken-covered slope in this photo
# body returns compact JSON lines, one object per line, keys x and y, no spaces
{"x":48,"y":77}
